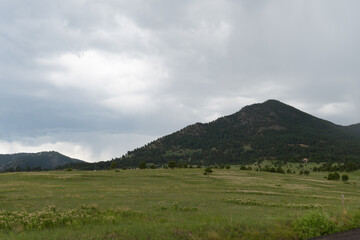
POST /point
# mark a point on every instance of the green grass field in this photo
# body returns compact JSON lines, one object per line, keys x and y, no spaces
{"x":169,"y":204}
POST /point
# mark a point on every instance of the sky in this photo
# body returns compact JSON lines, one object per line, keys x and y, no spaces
{"x":95,"y":79}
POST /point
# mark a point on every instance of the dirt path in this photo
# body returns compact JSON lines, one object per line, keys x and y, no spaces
{"x":348,"y":235}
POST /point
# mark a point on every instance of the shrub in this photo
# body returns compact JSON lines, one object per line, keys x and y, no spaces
{"x":142,"y":165}
{"x":69,"y":169}
{"x":333,"y":176}
{"x":172,"y":164}
{"x":227,"y":166}
{"x":288,"y":171}
{"x":306,"y":172}
{"x":113,"y":165}
{"x":313,"y":224}
{"x":345,"y":178}
{"x":280,"y":170}
{"x":208,"y":171}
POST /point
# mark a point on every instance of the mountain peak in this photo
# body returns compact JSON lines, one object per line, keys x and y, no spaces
{"x":272,"y":101}
{"x":270,"y":113}
{"x":268,"y":130}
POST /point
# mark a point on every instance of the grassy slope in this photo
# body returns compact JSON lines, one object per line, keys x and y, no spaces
{"x":177,"y":204}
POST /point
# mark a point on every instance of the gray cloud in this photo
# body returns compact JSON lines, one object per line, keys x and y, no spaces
{"x":95,"y":74}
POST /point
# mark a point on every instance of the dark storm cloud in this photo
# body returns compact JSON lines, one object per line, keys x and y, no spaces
{"x":74,"y":70}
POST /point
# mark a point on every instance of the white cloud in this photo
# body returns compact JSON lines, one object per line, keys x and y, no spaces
{"x":120,"y":81}
{"x":336,"y":109}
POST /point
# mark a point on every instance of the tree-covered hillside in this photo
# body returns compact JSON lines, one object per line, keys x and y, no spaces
{"x":270,"y":130}
{"x":354,"y":129}
{"x":34,"y":161}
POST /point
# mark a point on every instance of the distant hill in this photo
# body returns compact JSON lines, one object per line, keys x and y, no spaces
{"x":270,"y":130}
{"x":34,"y":161}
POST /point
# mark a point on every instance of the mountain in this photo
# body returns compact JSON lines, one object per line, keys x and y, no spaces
{"x":35,"y":161}
{"x":354,"y":129}
{"x":270,"y":130}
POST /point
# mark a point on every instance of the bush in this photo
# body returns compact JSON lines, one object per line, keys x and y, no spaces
{"x":306,"y":172}
{"x":69,"y":169}
{"x":280,"y":170}
{"x":227,"y":166}
{"x":208,"y":171}
{"x":288,"y":171}
{"x":113,"y":165}
{"x":345,"y":178}
{"x":333,"y":176}
{"x":172,"y":164}
{"x":142,"y":165}
{"x":313,"y":224}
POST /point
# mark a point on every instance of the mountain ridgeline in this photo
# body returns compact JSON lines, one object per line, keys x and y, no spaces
{"x":34,"y":161}
{"x":270,"y":130}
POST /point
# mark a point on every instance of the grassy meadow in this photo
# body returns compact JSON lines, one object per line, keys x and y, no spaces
{"x":170,"y":204}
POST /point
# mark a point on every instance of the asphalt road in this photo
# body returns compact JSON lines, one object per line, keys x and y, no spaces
{"x":348,"y":235}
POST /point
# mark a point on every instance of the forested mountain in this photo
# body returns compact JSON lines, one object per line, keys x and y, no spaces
{"x":354,"y":129}
{"x":34,"y":161}
{"x":270,"y":130}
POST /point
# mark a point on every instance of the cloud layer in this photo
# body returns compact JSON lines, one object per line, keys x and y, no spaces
{"x":95,"y":79}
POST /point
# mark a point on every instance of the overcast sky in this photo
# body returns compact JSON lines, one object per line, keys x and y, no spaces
{"x":94,"y":79}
